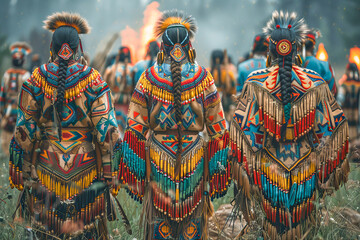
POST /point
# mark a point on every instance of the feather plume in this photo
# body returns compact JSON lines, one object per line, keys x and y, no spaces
{"x":282,"y":19}
{"x":173,"y":17}
{"x":21,"y":45}
{"x":67,"y":19}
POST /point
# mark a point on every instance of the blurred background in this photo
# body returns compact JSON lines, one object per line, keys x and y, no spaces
{"x":222,"y":24}
{"x":226,"y":24}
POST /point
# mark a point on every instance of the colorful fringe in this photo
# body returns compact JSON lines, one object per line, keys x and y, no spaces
{"x":287,"y":196}
{"x":219,"y":165}
{"x":15,"y":165}
{"x":39,"y":80}
{"x":115,"y":163}
{"x":66,"y":189}
{"x":162,"y":95}
{"x":177,"y":197}
{"x":132,"y":167}
{"x":271,"y":111}
{"x":87,"y":206}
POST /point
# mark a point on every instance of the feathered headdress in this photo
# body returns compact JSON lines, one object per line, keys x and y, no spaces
{"x":289,"y":21}
{"x":67,"y":19}
{"x":174,"y":17}
{"x":20,"y":47}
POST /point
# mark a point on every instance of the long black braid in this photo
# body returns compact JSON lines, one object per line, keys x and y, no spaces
{"x":176,"y":78}
{"x":172,"y":36}
{"x":285,"y":66}
{"x":63,"y":65}
{"x":63,"y":35}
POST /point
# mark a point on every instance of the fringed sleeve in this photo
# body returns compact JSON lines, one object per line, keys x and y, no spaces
{"x":106,"y":131}
{"x":219,"y":164}
{"x":332,"y":136}
{"x":132,"y":165}
{"x":21,"y":145}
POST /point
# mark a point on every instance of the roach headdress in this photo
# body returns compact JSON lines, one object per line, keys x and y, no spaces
{"x":286,"y":31}
{"x":22,"y":47}
{"x":74,"y":20}
{"x":175,"y":17}
{"x":176,"y":31}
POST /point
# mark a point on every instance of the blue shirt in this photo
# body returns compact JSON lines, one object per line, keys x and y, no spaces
{"x":247,"y":67}
{"x":323,"y":69}
{"x":140,"y":67}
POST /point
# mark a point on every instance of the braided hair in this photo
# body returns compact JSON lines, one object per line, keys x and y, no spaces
{"x":172,"y":36}
{"x":61,"y":36}
{"x":286,"y":32}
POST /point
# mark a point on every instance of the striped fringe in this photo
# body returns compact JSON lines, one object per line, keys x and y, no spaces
{"x":132,"y":167}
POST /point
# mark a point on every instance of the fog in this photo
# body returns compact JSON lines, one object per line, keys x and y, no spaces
{"x":229,"y":24}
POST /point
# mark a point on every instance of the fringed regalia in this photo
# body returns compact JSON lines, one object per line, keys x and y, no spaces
{"x":348,"y":97}
{"x":122,"y":86}
{"x":175,"y":206}
{"x":285,"y":166}
{"x":10,"y":87}
{"x":66,"y":168}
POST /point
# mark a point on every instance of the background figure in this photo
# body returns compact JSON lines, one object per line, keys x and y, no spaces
{"x":349,"y":97}
{"x":35,"y":62}
{"x":323,"y":68}
{"x":256,"y":62}
{"x":179,"y":172}
{"x":118,"y":77}
{"x":288,"y":138}
{"x":225,"y":79}
{"x":10,"y":87}
{"x":64,"y":153}
{"x":149,"y":61}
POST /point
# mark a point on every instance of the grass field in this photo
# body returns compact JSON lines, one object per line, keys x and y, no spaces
{"x":336,"y":223}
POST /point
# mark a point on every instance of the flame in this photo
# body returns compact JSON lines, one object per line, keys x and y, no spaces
{"x":130,"y":38}
{"x":355,"y":56}
{"x":151,"y":15}
{"x":321,"y":53}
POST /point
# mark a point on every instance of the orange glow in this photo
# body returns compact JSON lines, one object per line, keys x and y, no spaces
{"x":129,"y":38}
{"x":151,"y":15}
{"x":355,"y":56}
{"x":138,"y":44}
{"x":321,"y":53}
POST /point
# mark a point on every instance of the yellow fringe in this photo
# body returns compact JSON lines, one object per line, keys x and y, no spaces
{"x":70,"y":93}
{"x":186,"y":96}
{"x":66,"y":189}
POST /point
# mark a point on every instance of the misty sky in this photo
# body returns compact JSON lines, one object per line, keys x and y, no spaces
{"x":222,"y":24}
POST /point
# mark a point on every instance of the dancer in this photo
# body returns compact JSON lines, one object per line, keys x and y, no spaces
{"x":167,"y":163}
{"x":258,"y":60}
{"x":63,"y":150}
{"x":289,"y":137}
{"x":118,"y":77}
{"x":9,"y":92}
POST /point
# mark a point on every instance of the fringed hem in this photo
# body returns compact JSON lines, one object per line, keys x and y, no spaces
{"x":333,"y":165}
{"x":15,"y":165}
{"x":69,"y":188}
{"x":132,"y":167}
{"x":219,"y":165}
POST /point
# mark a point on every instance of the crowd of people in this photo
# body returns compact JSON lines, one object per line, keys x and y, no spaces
{"x":175,"y":134}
